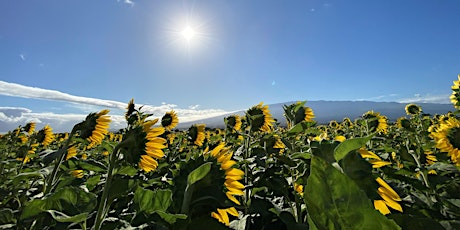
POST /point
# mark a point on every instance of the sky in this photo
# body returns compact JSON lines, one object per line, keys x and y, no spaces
{"x":60,"y":60}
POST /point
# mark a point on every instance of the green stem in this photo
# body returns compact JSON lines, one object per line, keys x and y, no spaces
{"x":51,"y":179}
{"x":187,"y":198}
{"x":101,"y":211}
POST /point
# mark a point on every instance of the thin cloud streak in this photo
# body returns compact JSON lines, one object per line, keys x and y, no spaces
{"x":440,"y":99}
{"x":15,"y":116}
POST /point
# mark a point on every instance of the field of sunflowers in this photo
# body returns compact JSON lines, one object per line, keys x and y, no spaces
{"x":366,"y":173}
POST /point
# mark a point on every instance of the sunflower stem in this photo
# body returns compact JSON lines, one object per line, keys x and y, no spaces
{"x":51,"y":179}
{"x":101,"y":211}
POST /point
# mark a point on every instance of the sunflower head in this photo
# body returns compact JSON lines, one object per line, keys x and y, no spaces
{"x":297,"y":113}
{"x":94,"y":127}
{"x":29,"y":128}
{"x":260,"y":118}
{"x":45,"y":136}
{"x":143,"y":145}
{"x":130,"y":109}
{"x":196,"y":134}
{"x":447,"y":137}
{"x":169,"y":120}
{"x":455,"y":97}
{"x":376,"y":122}
{"x":413,"y":109}
{"x":402,"y":122}
{"x":233,"y":122}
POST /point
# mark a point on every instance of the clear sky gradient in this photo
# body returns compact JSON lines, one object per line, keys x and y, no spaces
{"x":242,"y":53}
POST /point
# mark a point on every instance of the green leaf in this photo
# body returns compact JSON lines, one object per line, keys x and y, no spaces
{"x":92,"y":182}
{"x":171,"y":218}
{"x":62,"y":217}
{"x":334,"y":201}
{"x":127,"y":170}
{"x":150,"y":201}
{"x":92,"y":165}
{"x":6,"y":216}
{"x":349,"y":145}
{"x":199,"y":173}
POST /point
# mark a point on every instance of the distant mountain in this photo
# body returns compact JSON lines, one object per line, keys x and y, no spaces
{"x":326,"y":111}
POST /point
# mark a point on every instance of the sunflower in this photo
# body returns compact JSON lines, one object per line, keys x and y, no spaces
{"x":45,"y":136}
{"x":375,"y":160}
{"x":196,"y":134}
{"x":130,"y":109}
{"x":389,"y":196}
{"x":30,"y":152}
{"x":376,"y":122}
{"x":413,"y":109}
{"x":233,"y":122}
{"x":232,"y":184}
{"x":30,"y":127}
{"x":77,"y":173}
{"x":144,"y":146}
{"x":95,"y":127}
{"x":71,"y":152}
{"x":260,"y":118}
{"x":447,"y":137}
{"x":222,"y":215}
{"x":169,"y":120}
{"x":454,"y":98}
{"x":403,"y":122}
{"x":346,"y":122}
{"x":430,"y":157}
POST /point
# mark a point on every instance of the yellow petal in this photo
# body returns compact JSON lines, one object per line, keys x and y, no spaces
{"x":381,"y":206}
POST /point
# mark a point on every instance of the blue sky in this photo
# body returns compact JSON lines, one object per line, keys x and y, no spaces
{"x":63,"y":58}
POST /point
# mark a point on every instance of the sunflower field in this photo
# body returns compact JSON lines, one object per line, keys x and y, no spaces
{"x":366,"y":173}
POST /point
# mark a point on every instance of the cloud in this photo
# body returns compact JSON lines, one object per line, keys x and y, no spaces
{"x":129,"y":2}
{"x":22,"y":56}
{"x":12,"y":117}
{"x":418,"y":98}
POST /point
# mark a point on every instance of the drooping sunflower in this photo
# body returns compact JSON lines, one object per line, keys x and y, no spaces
{"x":196,"y":134}
{"x":389,"y":198}
{"x":29,"y":128}
{"x":233,"y":122}
{"x":403,"y":122}
{"x":170,"y":120}
{"x":260,"y":118}
{"x":30,"y":152}
{"x":413,"y":109}
{"x":447,"y":137}
{"x":376,"y":122}
{"x":233,"y":187}
{"x":375,"y":160}
{"x":346,"y":122}
{"x":130,"y":109}
{"x":45,"y":136}
{"x":95,"y":127}
{"x":455,"y":97}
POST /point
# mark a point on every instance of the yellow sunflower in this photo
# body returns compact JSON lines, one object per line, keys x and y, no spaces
{"x":71,"y":152}
{"x":447,"y":137}
{"x":196,"y":134}
{"x":77,"y":173}
{"x":389,"y":198}
{"x":94,"y":127}
{"x":413,"y":109}
{"x":30,"y":127}
{"x":232,"y":184}
{"x":170,"y":120}
{"x":375,"y":160}
{"x":376,"y":122}
{"x":45,"y":136}
{"x":144,"y":146}
{"x":260,"y":118}
{"x":233,"y":122}
{"x":455,"y":97}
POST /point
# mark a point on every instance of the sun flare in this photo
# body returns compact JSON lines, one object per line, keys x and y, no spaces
{"x":188,"y":33}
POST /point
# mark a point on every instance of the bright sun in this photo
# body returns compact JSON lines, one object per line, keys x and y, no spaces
{"x":188,"y":33}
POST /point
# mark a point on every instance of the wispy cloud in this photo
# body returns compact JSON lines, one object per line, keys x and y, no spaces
{"x":129,"y":2}
{"x":418,"y":98}
{"x":14,"y":116}
{"x":22,"y":56}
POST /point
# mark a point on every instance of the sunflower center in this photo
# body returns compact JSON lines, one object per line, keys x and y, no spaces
{"x":372,"y":122}
{"x":167,"y":120}
{"x":454,"y":137}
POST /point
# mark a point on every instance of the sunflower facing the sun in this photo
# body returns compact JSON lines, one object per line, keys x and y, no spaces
{"x":447,"y":137}
{"x":376,"y":122}
{"x":169,"y":120}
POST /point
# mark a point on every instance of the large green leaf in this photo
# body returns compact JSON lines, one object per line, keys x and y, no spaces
{"x":62,"y":217}
{"x":150,"y":201}
{"x":349,"y":145}
{"x":334,"y":201}
{"x":199,"y":173}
